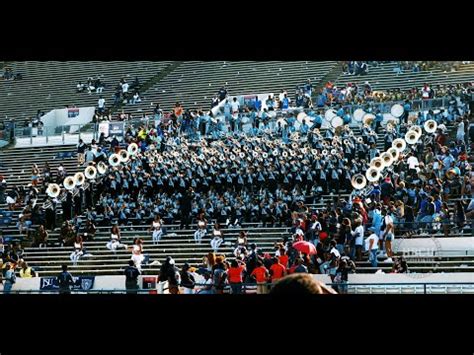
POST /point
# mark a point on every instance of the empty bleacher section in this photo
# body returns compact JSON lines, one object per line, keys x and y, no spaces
{"x":51,"y":84}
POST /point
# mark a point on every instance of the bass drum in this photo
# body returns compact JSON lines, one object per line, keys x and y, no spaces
{"x":359,"y":114}
{"x":337,"y":122}
{"x":330,"y":114}
{"x":397,"y":110}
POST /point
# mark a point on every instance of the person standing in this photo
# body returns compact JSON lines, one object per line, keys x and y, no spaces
{"x":65,"y":281}
{"x":372,"y":246}
{"x":185,"y":208}
{"x":81,"y":150}
{"x":131,"y":277}
{"x":9,"y":278}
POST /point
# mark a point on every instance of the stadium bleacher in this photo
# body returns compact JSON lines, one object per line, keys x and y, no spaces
{"x":52,"y":84}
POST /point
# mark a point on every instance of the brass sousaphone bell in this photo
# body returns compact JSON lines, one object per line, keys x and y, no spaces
{"x":90,"y":172}
{"x":69,"y":183}
{"x":372,"y":174}
{"x":358,"y":181}
{"x":53,"y":190}
{"x":80,"y":179}
{"x":430,"y":126}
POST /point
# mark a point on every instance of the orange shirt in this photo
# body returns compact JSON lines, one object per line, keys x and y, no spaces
{"x":235,"y":274}
{"x":178,"y":111}
{"x":259,"y":273}
{"x":278,"y":271}
{"x":283,"y":259}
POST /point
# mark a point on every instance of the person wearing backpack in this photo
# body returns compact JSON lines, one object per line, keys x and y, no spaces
{"x":65,"y":281}
{"x":9,"y":278}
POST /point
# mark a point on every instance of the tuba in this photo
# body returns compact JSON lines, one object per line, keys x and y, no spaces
{"x":372,"y":174}
{"x":387,"y":159}
{"x":399,"y":144}
{"x":417,"y":129}
{"x":377,"y":163}
{"x":101,"y":168}
{"x":124,"y":156}
{"x":69,"y":183}
{"x":53,"y":190}
{"x":411,"y":137}
{"x":80,"y":178}
{"x":395,"y":153}
{"x":132,"y":149}
{"x":358,"y":181}
{"x":430,"y":126}
{"x":333,"y":151}
{"x":90,"y":173}
{"x":114,"y":160}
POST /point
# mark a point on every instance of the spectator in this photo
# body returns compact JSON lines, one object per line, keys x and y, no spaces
{"x":300,"y":285}
{"x":9,"y":278}
{"x":131,"y":277}
{"x":65,"y":281}
{"x":169,"y":272}
{"x":187,"y":280}
{"x":26,"y":271}
{"x":235,"y":276}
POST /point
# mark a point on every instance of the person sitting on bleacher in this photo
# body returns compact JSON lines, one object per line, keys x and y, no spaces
{"x":41,"y":237}
{"x":80,"y":87}
{"x":115,"y":242}
{"x":27,"y":271}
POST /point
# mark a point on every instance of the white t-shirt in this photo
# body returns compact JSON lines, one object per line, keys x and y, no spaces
{"x":335,"y":252}
{"x":359,"y":232}
{"x":375,"y":245}
{"x":235,"y":106}
{"x":412,"y":162}
{"x":101,"y":103}
{"x":125,"y":87}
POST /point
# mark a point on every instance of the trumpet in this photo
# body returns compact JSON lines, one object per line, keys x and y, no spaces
{"x":358,"y":181}
{"x":387,"y":159}
{"x":399,"y":144}
{"x":333,"y":151}
{"x":264,"y":155}
{"x":430,"y":126}
{"x":124,"y":156}
{"x":372,"y":174}
{"x":90,"y":172}
{"x":114,"y":160}
{"x":132,"y":149}
{"x":80,"y":178}
{"x":376,"y":163}
{"x":53,"y":190}
{"x":101,"y":168}
{"x":69,"y":183}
